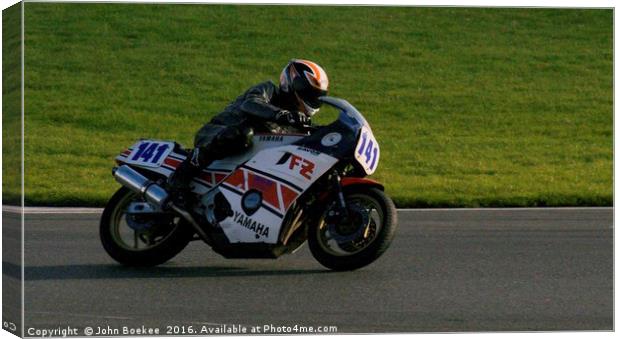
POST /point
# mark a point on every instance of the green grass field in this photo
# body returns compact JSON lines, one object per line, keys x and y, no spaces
{"x":472,"y":107}
{"x":11,"y":105}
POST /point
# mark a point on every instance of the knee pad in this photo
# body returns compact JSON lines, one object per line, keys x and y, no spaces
{"x":247,"y":134}
{"x":234,"y":139}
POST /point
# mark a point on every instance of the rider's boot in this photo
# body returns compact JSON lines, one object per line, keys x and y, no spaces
{"x":179,"y":182}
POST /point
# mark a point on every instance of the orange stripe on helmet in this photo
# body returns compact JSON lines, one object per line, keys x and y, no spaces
{"x":313,"y":67}
{"x":317,"y":72}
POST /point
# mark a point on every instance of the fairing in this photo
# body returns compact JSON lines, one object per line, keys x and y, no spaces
{"x":280,"y":168}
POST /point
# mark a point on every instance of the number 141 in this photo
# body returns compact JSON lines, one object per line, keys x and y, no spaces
{"x":150,"y":152}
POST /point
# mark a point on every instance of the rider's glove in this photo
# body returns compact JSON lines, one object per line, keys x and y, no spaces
{"x":292,"y":118}
{"x":301,"y":119}
{"x":285,"y":117}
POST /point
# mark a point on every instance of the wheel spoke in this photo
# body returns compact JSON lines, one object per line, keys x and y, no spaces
{"x":145,"y":239}
{"x":366,"y":231}
{"x":369,"y":226}
{"x":328,"y":235}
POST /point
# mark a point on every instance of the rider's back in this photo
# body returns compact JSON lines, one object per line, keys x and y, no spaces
{"x":255,"y":108}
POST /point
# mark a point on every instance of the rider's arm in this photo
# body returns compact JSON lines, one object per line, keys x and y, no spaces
{"x":257,"y":101}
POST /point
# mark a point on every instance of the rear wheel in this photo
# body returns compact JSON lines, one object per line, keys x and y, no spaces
{"x":140,"y":239}
{"x":360,"y":239}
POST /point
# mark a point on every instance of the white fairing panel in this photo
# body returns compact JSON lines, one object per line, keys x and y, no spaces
{"x":243,"y":228}
{"x":280,"y":174}
{"x":298,"y":165}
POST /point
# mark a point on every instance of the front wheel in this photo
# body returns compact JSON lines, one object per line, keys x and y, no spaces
{"x":356,"y":241}
{"x":135,"y":238}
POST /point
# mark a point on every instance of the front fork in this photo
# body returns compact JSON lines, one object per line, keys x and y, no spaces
{"x":340,"y":211}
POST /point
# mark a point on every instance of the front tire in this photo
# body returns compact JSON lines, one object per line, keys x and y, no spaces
{"x":149,"y":247}
{"x":362,"y":240}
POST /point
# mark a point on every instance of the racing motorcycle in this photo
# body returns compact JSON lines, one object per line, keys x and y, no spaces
{"x":267,"y":202}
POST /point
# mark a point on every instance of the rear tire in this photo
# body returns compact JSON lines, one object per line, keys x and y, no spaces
{"x":113,"y":214}
{"x":340,"y":260}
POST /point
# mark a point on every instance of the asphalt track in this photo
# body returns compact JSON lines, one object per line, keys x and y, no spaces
{"x":447,"y":270}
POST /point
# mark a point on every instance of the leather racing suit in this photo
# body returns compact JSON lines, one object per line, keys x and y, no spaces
{"x":255,"y":111}
{"x":259,"y":110}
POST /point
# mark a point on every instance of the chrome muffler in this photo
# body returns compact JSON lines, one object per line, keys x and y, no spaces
{"x":136,"y":182}
{"x":154,"y":194}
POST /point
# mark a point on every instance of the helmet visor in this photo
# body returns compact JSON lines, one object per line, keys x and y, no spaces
{"x":310,"y":97}
{"x":312,"y":102}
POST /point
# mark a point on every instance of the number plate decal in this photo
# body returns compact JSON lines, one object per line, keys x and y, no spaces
{"x":149,"y":153}
{"x":367,"y":151}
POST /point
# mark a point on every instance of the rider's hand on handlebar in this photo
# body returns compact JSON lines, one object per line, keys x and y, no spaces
{"x":283,"y":116}
{"x":301,"y":119}
{"x":293,"y":118}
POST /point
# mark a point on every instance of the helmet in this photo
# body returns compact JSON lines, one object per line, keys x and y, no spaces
{"x":307,"y":81}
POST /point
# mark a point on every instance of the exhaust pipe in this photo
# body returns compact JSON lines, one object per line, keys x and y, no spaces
{"x":154,"y":194}
{"x":136,"y":182}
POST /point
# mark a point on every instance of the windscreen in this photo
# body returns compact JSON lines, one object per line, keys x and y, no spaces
{"x":349,"y":115}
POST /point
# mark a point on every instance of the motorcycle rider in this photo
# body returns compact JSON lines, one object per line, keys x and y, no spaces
{"x":264,"y":108}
